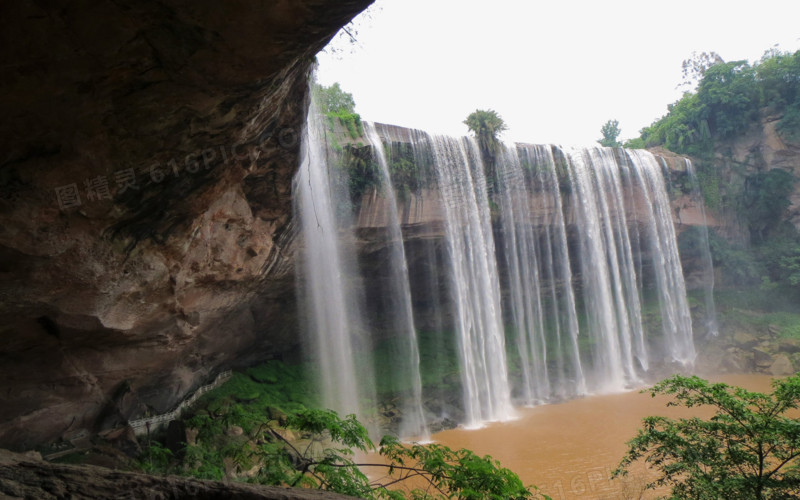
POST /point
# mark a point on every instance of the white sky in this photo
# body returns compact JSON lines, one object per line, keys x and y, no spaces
{"x":556,"y":71}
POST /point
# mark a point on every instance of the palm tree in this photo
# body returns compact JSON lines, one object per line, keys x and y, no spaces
{"x":486,"y":125}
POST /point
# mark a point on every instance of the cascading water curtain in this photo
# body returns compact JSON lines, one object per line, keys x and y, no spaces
{"x":593,"y":211}
{"x":579,"y":239}
{"x":336,"y":338}
{"x":402,"y":318}
{"x":474,"y":281}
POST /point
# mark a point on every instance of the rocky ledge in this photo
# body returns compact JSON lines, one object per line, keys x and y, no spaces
{"x":28,"y":476}
{"x":146,"y":157}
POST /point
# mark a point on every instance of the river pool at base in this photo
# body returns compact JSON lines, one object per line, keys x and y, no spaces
{"x":569,"y":449}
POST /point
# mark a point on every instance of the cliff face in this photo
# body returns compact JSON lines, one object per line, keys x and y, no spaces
{"x":145,"y":199}
{"x":760,"y":150}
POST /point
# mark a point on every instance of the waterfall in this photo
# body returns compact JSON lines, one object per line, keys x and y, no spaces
{"x":610,"y":199}
{"x":474,"y":281}
{"x":335,"y":334}
{"x":675,"y":315}
{"x":712,"y":326}
{"x":561,"y":264}
{"x":407,"y":365}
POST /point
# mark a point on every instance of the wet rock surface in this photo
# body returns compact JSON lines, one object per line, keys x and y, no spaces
{"x":146,"y":240}
{"x":28,"y":476}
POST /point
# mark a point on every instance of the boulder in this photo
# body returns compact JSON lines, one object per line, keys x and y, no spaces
{"x":744,"y":340}
{"x":789,"y":346}
{"x":762,"y":358}
{"x":782,"y":366}
{"x":738,"y":361}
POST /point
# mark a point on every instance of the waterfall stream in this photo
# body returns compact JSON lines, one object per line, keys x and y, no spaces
{"x":335,"y":332}
{"x":402,"y":320}
{"x":562,"y":268}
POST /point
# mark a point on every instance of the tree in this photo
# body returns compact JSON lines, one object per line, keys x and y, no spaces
{"x":486,"y":125}
{"x":445,"y":473}
{"x":696,"y":66}
{"x":748,"y":450}
{"x":610,"y":133}
{"x":338,"y":105}
{"x":324,"y":458}
{"x":333,"y":99}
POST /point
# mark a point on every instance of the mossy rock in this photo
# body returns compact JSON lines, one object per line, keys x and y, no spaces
{"x":246,"y":398}
{"x":277,"y":415}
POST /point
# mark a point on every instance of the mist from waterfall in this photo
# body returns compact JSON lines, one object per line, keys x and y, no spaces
{"x":712,"y":325}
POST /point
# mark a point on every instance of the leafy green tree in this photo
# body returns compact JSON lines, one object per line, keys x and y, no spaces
{"x":747,"y":450}
{"x":727,"y":100}
{"x":487,"y":125}
{"x":447,"y":474}
{"x":766,"y":198}
{"x":610,"y":131}
{"x":731,"y":97}
{"x":336,"y":104}
{"x":452,"y":473}
{"x":325,"y":458}
{"x":333,"y":99}
{"x":694,"y":68}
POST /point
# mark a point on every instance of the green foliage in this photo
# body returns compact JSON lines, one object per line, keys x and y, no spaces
{"x":325,"y":467}
{"x":728,"y":101}
{"x":337,"y":105}
{"x":730,"y":98}
{"x":333,"y":99}
{"x":409,"y":172}
{"x":203,"y":462}
{"x":683,"y":129}
{"x":739,"y":264}
{"x":452,"y":473}
{"x":361,"y":171}
{"x":302,"y":447}
{"x":635,"y":143}
{"x":487,"y":125}
{"x":709,"y":184}
{"x":610,"y":131}
{"x":789,"y":125}
{"x":154,"y":458}
{"x":779,"y":74}
{"x":747,"y":450}
{"x":766,"y":197}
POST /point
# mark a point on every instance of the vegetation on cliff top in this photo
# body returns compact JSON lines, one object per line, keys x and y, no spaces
{"x":729,"y":99}
{"x":337,"y":105}
{"x":487,"y":125}
{"x":610,"y":131}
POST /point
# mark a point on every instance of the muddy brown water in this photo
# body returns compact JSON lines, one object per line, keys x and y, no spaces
{"x":569,"y":449}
